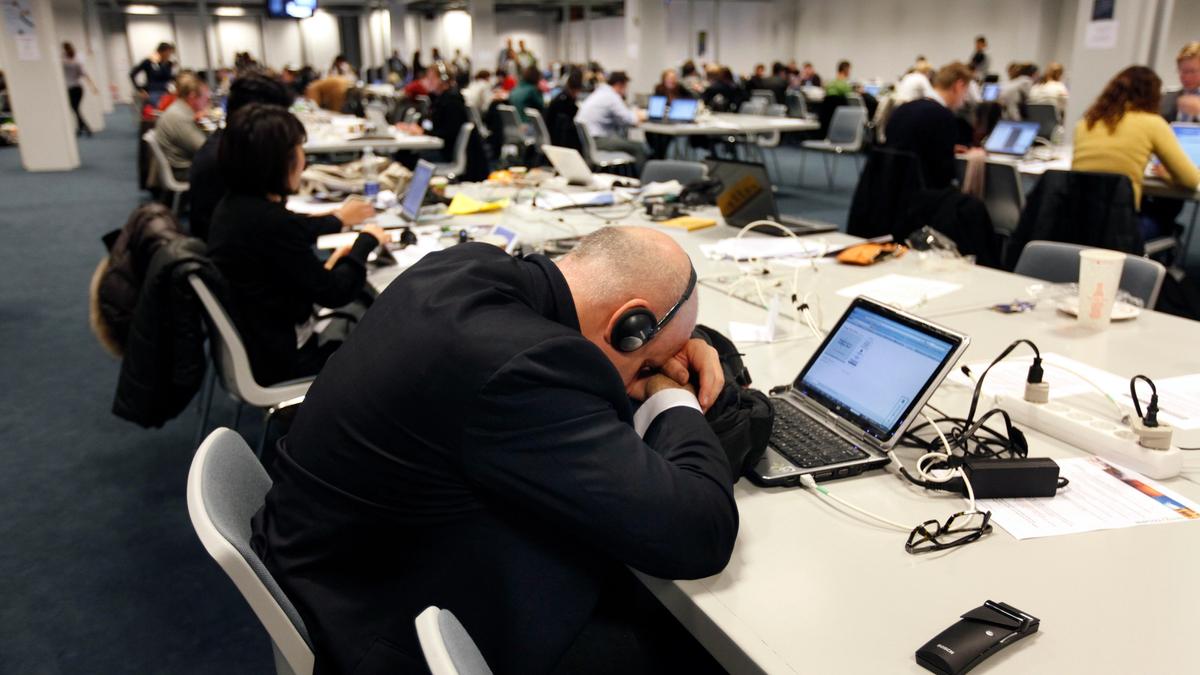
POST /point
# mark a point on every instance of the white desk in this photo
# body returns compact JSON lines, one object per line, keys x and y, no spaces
{"x":329,"y":143}
{"x":813,"y":589}
{"x":720,"y":124}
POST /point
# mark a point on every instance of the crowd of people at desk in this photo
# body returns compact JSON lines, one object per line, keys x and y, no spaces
{"x":561,"y":356}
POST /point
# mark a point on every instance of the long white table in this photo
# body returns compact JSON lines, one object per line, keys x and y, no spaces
{"x":812,"y":588}
{"x":733,"y":124}
{"x":394,"y":140}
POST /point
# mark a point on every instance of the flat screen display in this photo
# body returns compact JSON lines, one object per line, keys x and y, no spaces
{"x":410,"y":208}
{"x":1012,"y":138}
{"x":874,"y":367}
{"x":683,"y":110}
{"x":991,"y":91}
{"x":656,"y":108}
{"x":291,"y":9}
{"x":1189,"y":138}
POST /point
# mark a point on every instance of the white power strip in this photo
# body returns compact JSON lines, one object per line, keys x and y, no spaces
{"x":1097,"y":435}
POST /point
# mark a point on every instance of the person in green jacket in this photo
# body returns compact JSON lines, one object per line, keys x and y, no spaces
{"x":840,"y":86}
{"x":527,"y":94}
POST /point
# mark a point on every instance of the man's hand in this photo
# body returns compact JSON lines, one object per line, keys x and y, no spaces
{"x":644,"y":387}
{"x":1189,"y":104}
{"x":697,"y":356}
{"x":378,"y":232}
{"x":354,"y":211}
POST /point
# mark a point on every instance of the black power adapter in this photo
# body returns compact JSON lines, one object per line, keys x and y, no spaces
{"x":1012,"y":478}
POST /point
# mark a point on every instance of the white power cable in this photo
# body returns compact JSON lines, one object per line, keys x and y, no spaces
{"x":809,"y":482}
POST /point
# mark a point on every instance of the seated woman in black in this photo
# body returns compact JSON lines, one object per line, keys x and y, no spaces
{"x":265,"y":252}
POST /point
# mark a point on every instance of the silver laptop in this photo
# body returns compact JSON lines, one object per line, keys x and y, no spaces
{"x":570,"y":165}
{"x":857,"y":395}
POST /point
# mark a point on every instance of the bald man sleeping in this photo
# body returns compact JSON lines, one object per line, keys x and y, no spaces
{"x":475,"y":446}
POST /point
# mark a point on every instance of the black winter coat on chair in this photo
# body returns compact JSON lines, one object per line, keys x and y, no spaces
{"x":164,"y":359}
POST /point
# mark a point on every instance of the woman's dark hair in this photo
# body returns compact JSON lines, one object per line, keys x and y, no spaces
{"x":1137,"y":88}
{"x":689,"y":68}
{"x":254,"y":87}
{"x":531,"y":75}
{"x":164,"y":46}
{"x":69,"y":50}
{"x":258,"y":149}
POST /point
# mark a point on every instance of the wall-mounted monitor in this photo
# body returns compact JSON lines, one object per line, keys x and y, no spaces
{"x":291,"y":9}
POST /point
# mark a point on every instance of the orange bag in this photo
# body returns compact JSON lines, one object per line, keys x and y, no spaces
{"x":869,"y":254}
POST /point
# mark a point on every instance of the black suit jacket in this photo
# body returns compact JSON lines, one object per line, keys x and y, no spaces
{"x":1170,"y":105}
{"x":468,"y":448}
{"x":273,"y":277}
{"x":930,"y":130}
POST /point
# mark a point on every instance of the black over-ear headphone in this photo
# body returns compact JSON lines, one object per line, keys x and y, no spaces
{"x":639,"y":325}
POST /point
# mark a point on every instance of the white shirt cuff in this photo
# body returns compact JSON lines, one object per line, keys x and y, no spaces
{"x":660,"y":403}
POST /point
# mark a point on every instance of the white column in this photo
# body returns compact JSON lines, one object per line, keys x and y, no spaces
{"x":716,"y":32}
{"x":397,"y":11}
{"x":209,"y":34}
{"x":1094,"y":61}
{"x":97,"y":56}
{"x":484,"y":43}
{"x":587,"y":33}
{"x":564,"y":34}
{"x":37,"y":91}
{"x":645,"y":40}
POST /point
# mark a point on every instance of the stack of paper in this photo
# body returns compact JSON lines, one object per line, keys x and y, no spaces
{"x":900,"y":290}
{"x":464,"y":204}
{"x":759,"y":248}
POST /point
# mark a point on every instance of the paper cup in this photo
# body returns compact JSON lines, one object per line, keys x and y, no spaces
{"x":1099,"y":278}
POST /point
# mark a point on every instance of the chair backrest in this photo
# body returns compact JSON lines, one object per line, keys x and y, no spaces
{"x":1079,"y":207}
{"x":226,"y":486}
{"x":448,"y":648}
{"x":755,"y":106}
{"x":539,"y":125}
{"x":229,"y":354}
{"x":846,"y":127}
{"x":887,"y":189}
{"x":659,"y":170}
{"x":1003,"y":194}
{"x":1046,"y":115}
{"x":1058,"y":262}
{"x":797,"y":104}
{"x":775,"y":110}
{"x":461,"y":144}
{"x":477,"y":119}
{"x":586,"y":142}
{"x":514,"y":130}
{"x":165,"y":173}
{"x":855,"y":101}
{"x":765,"y":95}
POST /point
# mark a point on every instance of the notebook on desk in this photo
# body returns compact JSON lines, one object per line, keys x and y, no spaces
{"x":1011,"y":138}
{"x":857,"y":395}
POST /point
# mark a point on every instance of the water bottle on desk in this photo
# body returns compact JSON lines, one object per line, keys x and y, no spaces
{"x":370,"y":176}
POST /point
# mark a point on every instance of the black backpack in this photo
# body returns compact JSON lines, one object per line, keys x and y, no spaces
{"x":741,"y":417}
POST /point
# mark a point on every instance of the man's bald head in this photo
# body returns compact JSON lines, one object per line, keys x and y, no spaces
{"x":617,"y":269}
{"x":614,"y":264}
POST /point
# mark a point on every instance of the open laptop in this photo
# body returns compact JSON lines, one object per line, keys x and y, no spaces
{"x":857,"y":394}
{"x":1011,"y":138}
{"x":656,"y":108}
{"x":570,"y":165}
{"x":872,"y":89}
{"x":991,"y":91}
{"x":746,"y":196}
{"x":410,"y":208}
{"x":682,"y":111}
{"x":1189,"y":137}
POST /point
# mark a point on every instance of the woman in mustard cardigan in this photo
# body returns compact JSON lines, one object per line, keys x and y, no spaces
{"x":1120,"y":132}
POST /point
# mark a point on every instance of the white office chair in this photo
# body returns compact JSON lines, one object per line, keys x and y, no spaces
{"x":231,"y":363}
{"x":600,"y":160}
{"x":452,"y":170}
{"x":845,"y":136}
{"x":165,"y":175}
{"x":226,"y":486}
{"x":447,"y":647}
{"x":1058,"y":262}
{"x":477,"y":118}
{"x":540,"y":130}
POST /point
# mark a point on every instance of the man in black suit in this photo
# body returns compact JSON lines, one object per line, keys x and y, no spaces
{"x":473,"y":446}
{"x":928,"y":127}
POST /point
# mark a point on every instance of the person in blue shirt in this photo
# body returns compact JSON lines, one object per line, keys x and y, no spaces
{"x":608,"y":118}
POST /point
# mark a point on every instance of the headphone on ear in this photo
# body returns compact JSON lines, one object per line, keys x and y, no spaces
{"x":638,"y":326}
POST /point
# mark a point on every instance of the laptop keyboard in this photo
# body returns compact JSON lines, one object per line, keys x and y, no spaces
{"x":806,"y":442}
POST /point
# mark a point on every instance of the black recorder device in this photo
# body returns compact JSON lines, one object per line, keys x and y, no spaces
{"x":980,"y":633}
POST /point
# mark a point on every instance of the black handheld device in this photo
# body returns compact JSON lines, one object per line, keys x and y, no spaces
{"x":981,"y":632}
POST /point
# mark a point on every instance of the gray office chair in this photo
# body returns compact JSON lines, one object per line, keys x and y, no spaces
{"x":477,"y":119}
{"x":600,"y":159}
{"x":660,"y":170}
{"x":798,"y":105}
{"x":516,"y":140}
{"x":448,"y":648}
{"x":166,"y":175}
{"x":452,"y":170}
{"x":1046,"y":115}
{"x":845,"y":136}
{"x":1058,"y":262}
{"x":755,"y":106}
{"x":765,"y":95}
{"x":541,"y":131}
{"x":226,"y":486}
{"x":1003,"y":194}
{"x":231,"y":363}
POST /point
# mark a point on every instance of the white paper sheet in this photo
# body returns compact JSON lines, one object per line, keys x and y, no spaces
{"x":1178,"y":398}
{"x":900,"y":290}
{"x":748,"y":248}
{"x":1063,"y":374}
{"x":1100,"y":496}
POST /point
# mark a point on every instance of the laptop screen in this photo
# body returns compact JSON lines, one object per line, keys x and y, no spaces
{"x":872,"y":89}
{"x":410,"y":208}
{"x":683,"y":110}
{"x":1189,"y":138}
{"x":991,"y":91}
{"x":657,"y":107}
{"x":1011,"y":138}
{"x":875,"y":366}
{"x":746,"y":194}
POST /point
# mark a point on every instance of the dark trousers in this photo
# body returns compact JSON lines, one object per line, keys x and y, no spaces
{"x":75,"y":95}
